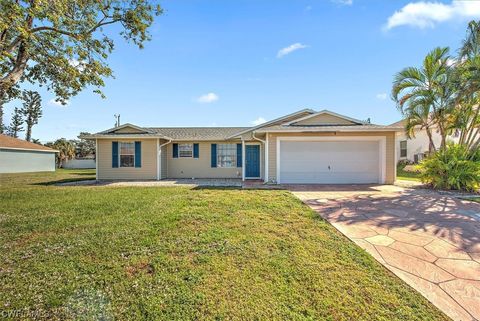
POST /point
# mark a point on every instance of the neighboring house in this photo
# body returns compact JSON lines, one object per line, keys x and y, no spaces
{"x":415,"y":148}
{"x":18,"y":156}
{"x":303,"y":147}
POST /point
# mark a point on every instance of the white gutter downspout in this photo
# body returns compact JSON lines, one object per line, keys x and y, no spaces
{"x":265,"y":159}
{"x":243,"y":160}
{"x":159,"y":155}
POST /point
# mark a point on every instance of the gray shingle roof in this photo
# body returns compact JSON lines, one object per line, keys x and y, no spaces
{"x":281,"y":124}
{"x":197,"y":133}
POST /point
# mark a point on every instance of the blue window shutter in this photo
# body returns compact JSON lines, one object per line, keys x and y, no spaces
{"x":195,"y":150}
{"x":214,"y":155}
{"x":175,"y":150}
{"x":114,"y":154}
{"x":239,"y":155}
{"x":138,"y":154}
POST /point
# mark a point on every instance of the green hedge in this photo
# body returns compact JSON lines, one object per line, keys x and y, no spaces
{"x":453,"y":167}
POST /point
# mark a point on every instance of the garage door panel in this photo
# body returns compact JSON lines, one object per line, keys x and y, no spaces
{"x":327,"y":178}
{"x":329,"y":162}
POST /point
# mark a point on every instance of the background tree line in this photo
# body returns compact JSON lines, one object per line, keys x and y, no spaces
{"x":73,"y":148}
{"x":27,"y":115}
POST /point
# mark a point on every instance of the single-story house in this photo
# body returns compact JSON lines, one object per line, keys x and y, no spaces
{"x":304,"y":147}
{"x":20,"y":156}
{"x":414,"y":149}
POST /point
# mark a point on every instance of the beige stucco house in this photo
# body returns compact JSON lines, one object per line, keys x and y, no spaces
{"x":414,"y":149}
{"x":306,"y":147}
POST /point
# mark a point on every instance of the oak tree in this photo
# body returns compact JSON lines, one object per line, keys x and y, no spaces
{"x":63,"y":44}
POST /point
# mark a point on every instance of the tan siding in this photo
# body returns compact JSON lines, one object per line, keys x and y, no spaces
{"x":199,"y":167}
{"x":390,"y":174}
{"x":128,"y":130}
{"x":324,"y":119}
{"x":289,"y":119}
{"x":149,"y":161}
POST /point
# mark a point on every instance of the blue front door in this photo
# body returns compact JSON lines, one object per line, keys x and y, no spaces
{"x":252,"y":161}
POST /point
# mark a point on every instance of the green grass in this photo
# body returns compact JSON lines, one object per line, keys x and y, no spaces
{"x":407,"y":176}
{"x":45,"y":178}
{"x":474,"y":199}
{"x":184,"y":254}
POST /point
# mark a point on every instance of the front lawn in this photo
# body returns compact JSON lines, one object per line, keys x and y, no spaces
{"x":185,"y":254}
{"x":407,"y":175}
{"x":45,"y":178}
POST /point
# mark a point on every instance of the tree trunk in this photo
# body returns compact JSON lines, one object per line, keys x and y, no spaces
{"x":28,"y":135}
{"x":470,"y":129}
{"x":443,"y":135}
{"x":3,"y":96}
{"x":431,"y":144}
{"x":473,"y":140}
{"x":16,"y":73}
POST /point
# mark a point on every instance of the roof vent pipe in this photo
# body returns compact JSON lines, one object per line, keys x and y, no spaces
{"x":117,"y":120}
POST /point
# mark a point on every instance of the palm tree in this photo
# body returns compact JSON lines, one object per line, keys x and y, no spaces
{"x":471,"y":44}
{"x":423,"y":95}
{"x":419,"y":118}
{"x":66,"y":150}
{"x":467,"y":111}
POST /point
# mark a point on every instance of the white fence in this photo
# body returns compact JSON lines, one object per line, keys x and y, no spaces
{"x":79,"y":163}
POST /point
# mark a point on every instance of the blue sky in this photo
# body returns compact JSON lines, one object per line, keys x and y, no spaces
{"x":220,"y":63}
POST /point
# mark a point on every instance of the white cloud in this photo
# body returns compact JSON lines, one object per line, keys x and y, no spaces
{"x":258,"y":121}
{"x":343,"y":2}
{"x":287,"y":50}
{"x":76,"y":64}
{"x":54,"y":102}
{"x":208,"y":98}
{"x":381,"y":96}
{"x":425,"y":14}
{"x":451,"y":62}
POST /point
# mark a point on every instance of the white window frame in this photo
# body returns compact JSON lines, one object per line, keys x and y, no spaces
{"x":406,"y":148}
{"x":190,"y":145}
{"x":120,"y":154}
{"x":234,"y":148}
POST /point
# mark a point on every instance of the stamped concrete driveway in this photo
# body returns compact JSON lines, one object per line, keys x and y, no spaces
{"x":430,"y":241}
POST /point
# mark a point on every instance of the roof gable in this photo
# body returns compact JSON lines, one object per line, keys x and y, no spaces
{"x":290,"y":117}
{"x":324,"y":117}
{"x":127,"y":129}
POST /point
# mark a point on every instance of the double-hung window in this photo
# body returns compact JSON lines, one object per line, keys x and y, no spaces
{"x":403,"y":148}
{"x":185,"y":150}
{"x":227,"y":155}
{"x":127,"y":154}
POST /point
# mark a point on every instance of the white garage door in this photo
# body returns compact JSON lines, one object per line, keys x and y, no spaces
{"x":329,"y":162}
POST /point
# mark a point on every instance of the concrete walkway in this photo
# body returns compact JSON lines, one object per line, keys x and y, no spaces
{"x":429,"y":240}
{"x":200,"y":182}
